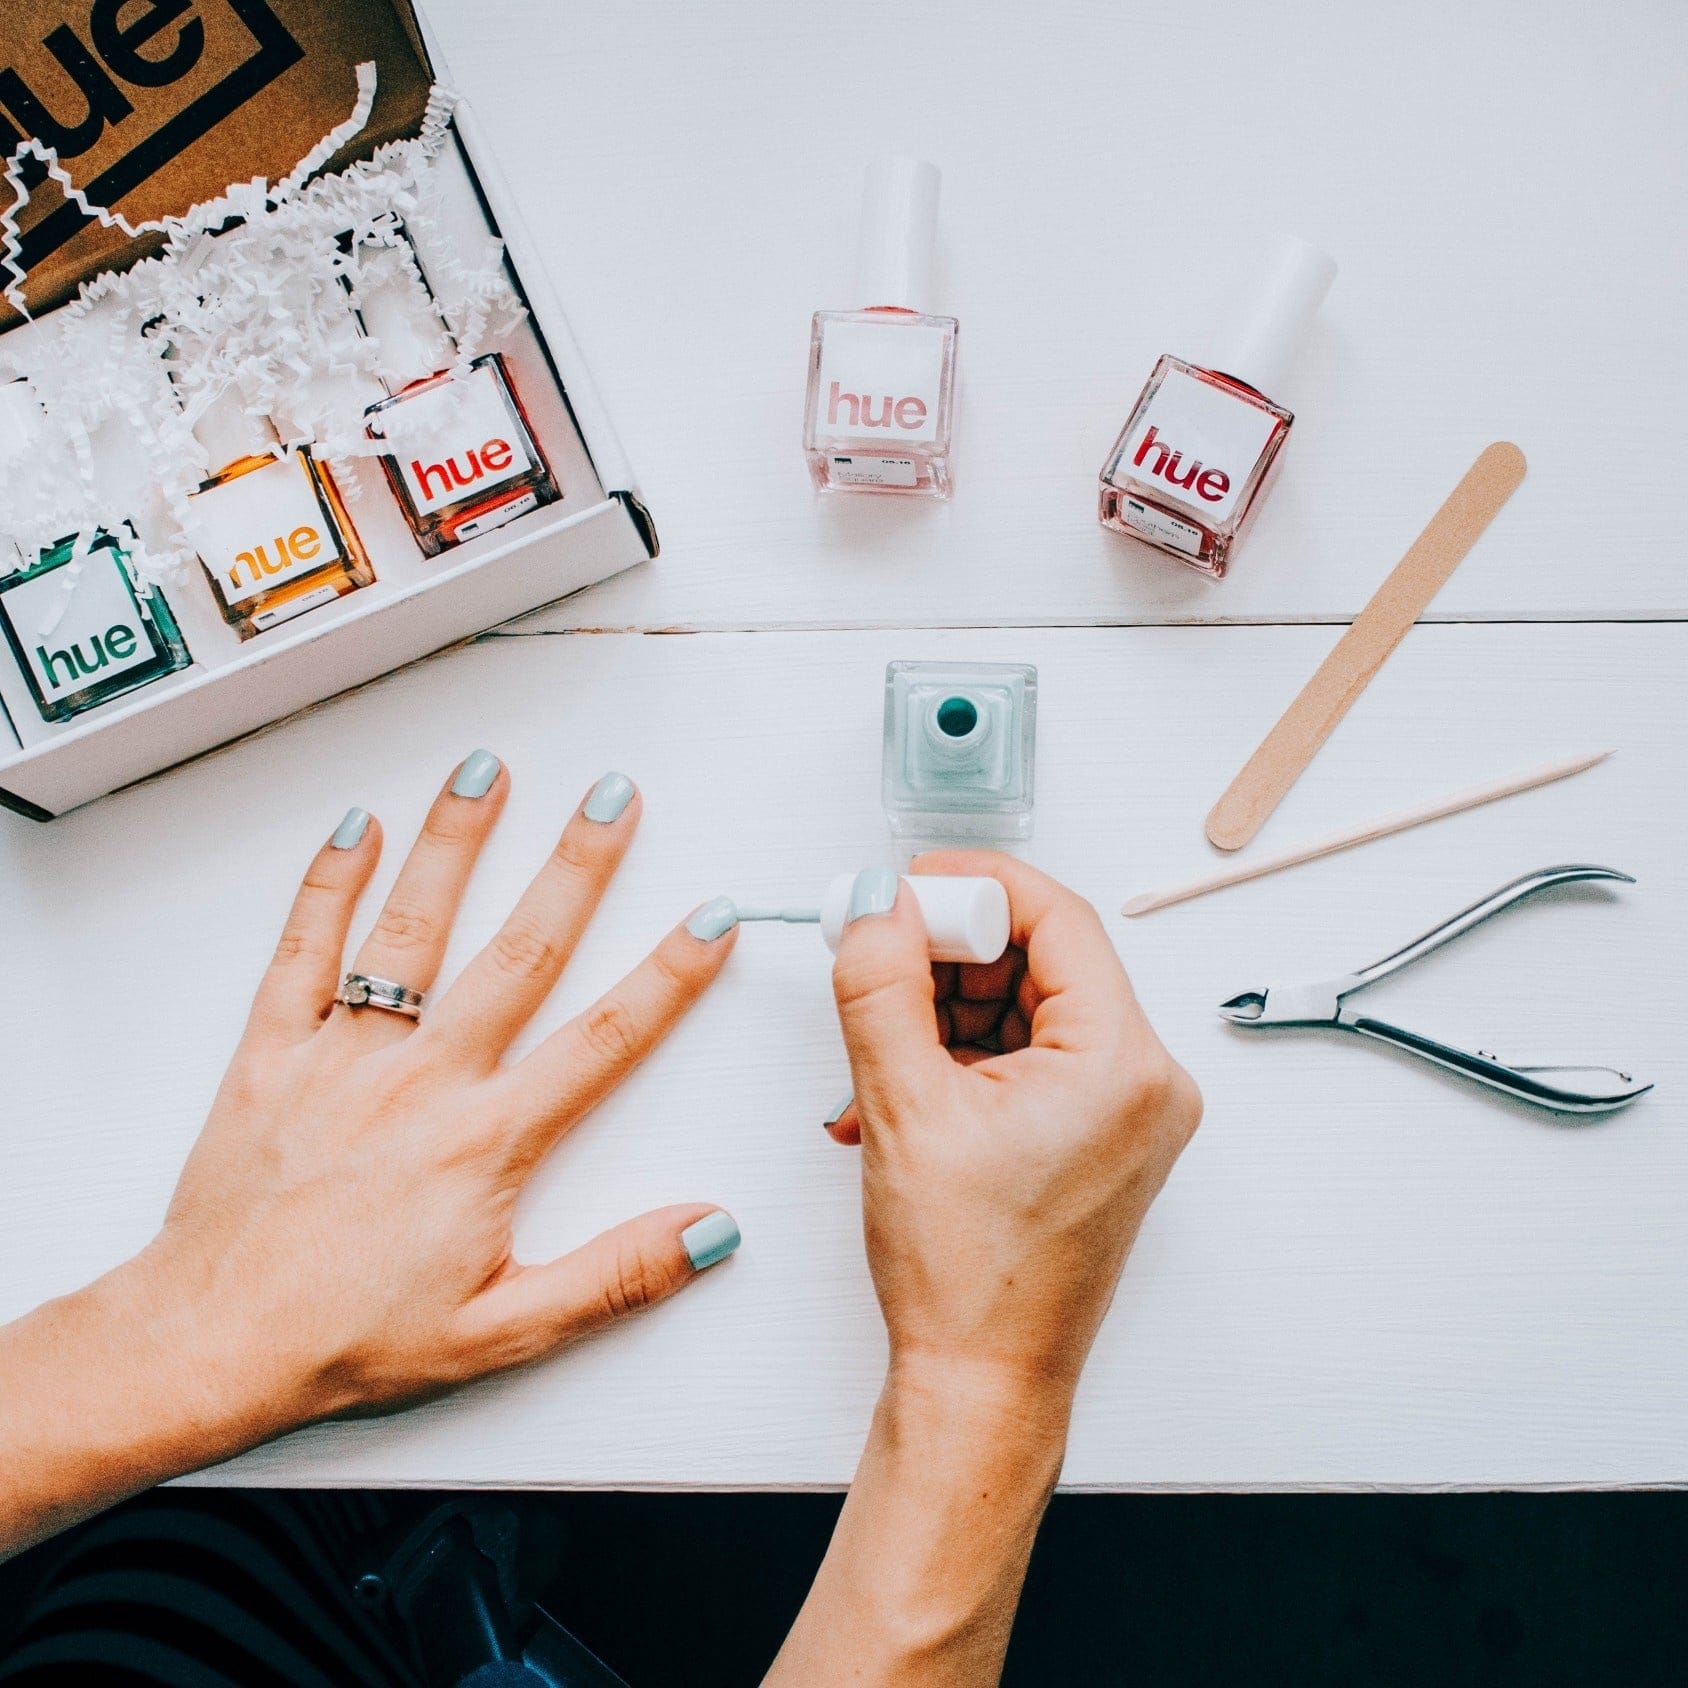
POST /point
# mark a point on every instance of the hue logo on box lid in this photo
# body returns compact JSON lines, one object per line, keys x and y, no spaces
{"x":132,"y":92}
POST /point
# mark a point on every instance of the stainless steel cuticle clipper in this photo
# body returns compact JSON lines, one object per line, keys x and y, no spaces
{"x":1572,"y":1090}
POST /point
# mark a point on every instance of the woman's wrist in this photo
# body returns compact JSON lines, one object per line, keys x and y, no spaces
{"x":206,"y":1381}
{"x":923,"y":1575}
{"x":948,"y":1392}
{"x":116,"y":1387}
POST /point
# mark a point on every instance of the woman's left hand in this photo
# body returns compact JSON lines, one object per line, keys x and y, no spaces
{"x":353,"y":1192}
{"x":341,"y":1238}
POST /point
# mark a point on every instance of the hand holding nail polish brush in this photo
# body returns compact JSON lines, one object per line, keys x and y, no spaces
{"x":966,"y":919}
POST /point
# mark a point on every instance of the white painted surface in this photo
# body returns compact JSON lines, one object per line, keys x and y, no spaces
{"x":1364,"y":1272}
{"x":1504,"y":186}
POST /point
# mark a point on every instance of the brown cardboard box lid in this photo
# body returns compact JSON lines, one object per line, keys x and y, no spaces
{"x":155,"y":105}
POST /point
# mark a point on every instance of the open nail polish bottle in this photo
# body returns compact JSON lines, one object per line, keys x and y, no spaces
{"x":882,"y":379}
{"x":960,"y":748}
{"x":464,"y":458}
{"x":1192,"y":462}
{"x":82,"y":626}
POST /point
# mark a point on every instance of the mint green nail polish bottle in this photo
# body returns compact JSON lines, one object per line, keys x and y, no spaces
{"x":960,"y":749}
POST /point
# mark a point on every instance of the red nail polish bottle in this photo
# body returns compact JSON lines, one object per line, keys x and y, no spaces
{"x":1193,"y":462}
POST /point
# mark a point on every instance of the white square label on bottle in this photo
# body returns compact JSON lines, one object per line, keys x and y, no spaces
{"x":454,"y":441}
{"x":78,"y":624}
{"x":262,"y":529}
{"x":1158,"y":525}
{"x":879,"y":380}
{"x":1197,"y":443}
{"x":873,"y":471}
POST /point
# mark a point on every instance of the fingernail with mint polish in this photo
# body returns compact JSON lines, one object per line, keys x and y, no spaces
{"x":710,"y":1240}
{"x":715,"y":919}
{"x":609,"y":799}
{"x":475,"y":777}
{"x":349,"y":833}
{"x":875,"y":892}
{"x":838,"y":1113}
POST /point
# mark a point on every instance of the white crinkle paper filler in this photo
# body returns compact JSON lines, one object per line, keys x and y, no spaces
{"x":249,"y":292}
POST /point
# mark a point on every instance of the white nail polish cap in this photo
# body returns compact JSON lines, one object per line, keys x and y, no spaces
{"x":230,"y":432}
{"x":966,"y":919}
{"x":399,"y":314}
{"x":1266,"y":319}
{"x":897,"y":254}
{"x":22,"y":420}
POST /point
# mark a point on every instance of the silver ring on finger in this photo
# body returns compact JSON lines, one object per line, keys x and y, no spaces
{"x":358,"y":990}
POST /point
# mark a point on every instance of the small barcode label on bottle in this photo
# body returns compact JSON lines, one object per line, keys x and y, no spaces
{"x":266,"y":619}
{"x":1159,"y":526}
{"x":490,"y":519}
{"x":874,"y":471}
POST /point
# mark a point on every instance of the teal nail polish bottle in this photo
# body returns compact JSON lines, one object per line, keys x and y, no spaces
{"x":960,"y":749}
{"x":84,"y":629}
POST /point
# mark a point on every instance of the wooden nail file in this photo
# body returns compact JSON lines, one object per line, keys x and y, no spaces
{"x":1362,"y":650}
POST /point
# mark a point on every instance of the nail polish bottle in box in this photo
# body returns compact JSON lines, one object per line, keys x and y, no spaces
{"x":464,"y":458}
{"x":960,"y":749}
{"x":882,"y":379}
{"x":82,"y":626}
{"x":269,"y":523}
{"x":1192,"y":463}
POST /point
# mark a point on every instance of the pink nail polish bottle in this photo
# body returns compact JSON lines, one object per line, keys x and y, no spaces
{"x":882,"y":379}
{"x":1194,"y":461}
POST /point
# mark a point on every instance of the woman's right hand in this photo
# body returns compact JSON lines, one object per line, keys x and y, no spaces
{"x":1016,"y":1120}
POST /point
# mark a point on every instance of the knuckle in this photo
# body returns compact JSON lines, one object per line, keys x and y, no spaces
{"x":524,"y":954}
{"x":405,"y":926}
{"x":673,"y":976}
{"x":610,"y":1032}
{"x":296,"y":943}
{"x":1150,"y":1085}
{"x":1190,"y":1103}
{"x":577,"y":854}
{"x":324,"y":877}
{"x":628,"y":1285}
{"x":452,"y":825}
{"x":866,"y":984}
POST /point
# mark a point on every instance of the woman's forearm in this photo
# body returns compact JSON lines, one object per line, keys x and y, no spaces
{"x":923,"y":1575}
{"x":108,"y":1391}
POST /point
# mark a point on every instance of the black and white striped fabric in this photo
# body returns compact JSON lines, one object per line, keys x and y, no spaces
{"x":193,"y":1589}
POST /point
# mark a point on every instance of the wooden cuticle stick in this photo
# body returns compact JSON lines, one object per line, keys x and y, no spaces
{"x":1457,"y":803}
{"x":1302,"y":728}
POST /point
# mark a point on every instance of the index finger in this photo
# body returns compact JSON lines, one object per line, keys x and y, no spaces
{"x":580,"y":1064}
{"x":1071,"y":963}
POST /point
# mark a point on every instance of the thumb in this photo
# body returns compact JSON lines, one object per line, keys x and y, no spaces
{"x":883,"y":982}
{"x":634,"y":1265}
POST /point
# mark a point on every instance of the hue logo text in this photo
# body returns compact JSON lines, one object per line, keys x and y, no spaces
{"x":1210,"y":485}
{"x":302,"y":545}
{"x":441,"y":480}
{"x":907,"y":413}
{"x":128,"y":86}
{"x":116,"y":644}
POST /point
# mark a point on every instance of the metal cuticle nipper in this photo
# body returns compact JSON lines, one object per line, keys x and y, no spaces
{"x":1571,"y":1090}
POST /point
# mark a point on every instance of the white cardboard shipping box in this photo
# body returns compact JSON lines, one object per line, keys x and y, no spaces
{"x":596,"y":528}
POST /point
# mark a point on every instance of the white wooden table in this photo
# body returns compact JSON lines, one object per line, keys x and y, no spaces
{"x":1363,"y":1273}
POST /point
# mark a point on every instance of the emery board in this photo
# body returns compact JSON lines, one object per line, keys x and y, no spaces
{"x":1287,"y":749}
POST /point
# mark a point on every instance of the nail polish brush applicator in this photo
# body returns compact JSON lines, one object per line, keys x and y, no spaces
{"x":966,"y":919}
